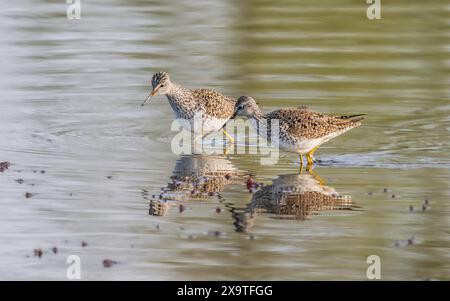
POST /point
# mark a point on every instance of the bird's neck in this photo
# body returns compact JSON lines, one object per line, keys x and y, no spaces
{"x":177,"y":91}
{"x":259,"y":120}
{"x":179,"y":99}
{"x":258,"y":114}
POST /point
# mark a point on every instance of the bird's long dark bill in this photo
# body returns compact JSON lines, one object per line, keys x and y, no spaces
{"x":148,"y":98}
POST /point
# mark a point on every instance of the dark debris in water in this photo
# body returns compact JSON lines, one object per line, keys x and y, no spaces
{"x":4,"y":166}
{"x":402,"y":243}
{"x":84,"y":244}
{"x":181,"y":208}
{"x":28,"y":195}
{"x":38,"y":252}
{"x":218,"y":210}
{"x":20,"y":181}
{"x":249,"y":183}
{"x":424,"y":206}
{"x":252,"y":185}
{"x":107,"y":263}
{"x":215,"y":233}
{"x":55,"y":250}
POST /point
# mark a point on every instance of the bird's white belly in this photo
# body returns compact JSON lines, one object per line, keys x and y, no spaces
{"x":212,"y":124}
{"x":303,"y":146}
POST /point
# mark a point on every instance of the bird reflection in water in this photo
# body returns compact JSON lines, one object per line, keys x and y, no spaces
{"x":293,"y":196}
{"x":195,"y":177}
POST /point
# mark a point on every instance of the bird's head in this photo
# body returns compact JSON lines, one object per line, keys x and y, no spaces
{"x":160,"y":85}
{"x":246,"y":107}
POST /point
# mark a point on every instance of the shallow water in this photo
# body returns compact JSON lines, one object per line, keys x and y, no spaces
{"x":70,"y":107}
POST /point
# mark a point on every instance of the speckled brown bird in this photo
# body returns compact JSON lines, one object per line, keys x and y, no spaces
{"x":215,"y":107}
{"x":300,"y":130}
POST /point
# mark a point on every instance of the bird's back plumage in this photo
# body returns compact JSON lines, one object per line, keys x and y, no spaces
{"x":304,"y":123}
{"x":213,"y":103}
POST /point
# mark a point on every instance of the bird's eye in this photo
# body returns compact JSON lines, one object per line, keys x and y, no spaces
{"x":240,"y":107}
{"x":162,"y":85}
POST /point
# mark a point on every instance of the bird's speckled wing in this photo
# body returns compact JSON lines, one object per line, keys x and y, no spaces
{"x":301,"y":122}
{"x":214,"y":103}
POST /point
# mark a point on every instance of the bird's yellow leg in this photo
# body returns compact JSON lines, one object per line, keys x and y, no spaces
{"x":309,"y":155}
{"x":229,"y":136}
{"x":227,"y":149}
{"x":301,"y":163}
